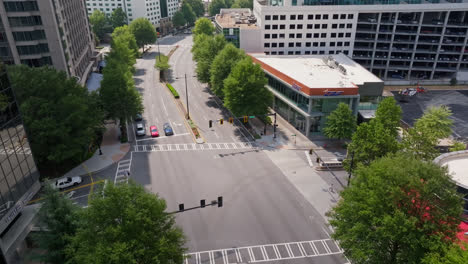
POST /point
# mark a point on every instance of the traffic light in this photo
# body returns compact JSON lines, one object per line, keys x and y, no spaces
{"x":202,"y":203}
{"x":210,"y":123}
{"x":246,"y":118}
{"x":221,"y":121}
{"x":231,"y":120}
{"x":181,"y":207}
{"x":220,"y":201}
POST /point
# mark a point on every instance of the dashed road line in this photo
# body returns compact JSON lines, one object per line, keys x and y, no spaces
{"x":266,"y":253}
{"x":193,"y":146}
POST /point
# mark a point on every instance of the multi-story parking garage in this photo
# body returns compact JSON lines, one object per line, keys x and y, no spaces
{"x":399,"y":41}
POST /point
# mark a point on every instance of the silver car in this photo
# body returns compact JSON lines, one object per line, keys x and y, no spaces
{"x":140,"y":129}
{"x":66,"y":182}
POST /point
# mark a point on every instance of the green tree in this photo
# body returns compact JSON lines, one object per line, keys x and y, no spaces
{"x":371,"y":141}
{"x":244,"y":90}
{"x":162,"y":64}
{"x":143,"y":31}
{"x":58,"y":221}
{"x":341,"y":123}
{"x":421,"y":140}
{"x":127,"y":225}
{"x":389,"y":114}
{"x":221,"y":67}
{"x":58,"y":113}
{"x":457,"y":146}
{"x":206,"y":49}
{"x":118,"y":18}
{"x":216,"y":5}
{"x":197,"y":6}
{"x":124,"y":35}
{"x":188,"y":13}
{"x":453,"y":255}
{"x":98,"y":21}
{"x":178,"y":19}
{"x":242,"y":4}
{"x":203,"y":26}
{"x":396,"y":210}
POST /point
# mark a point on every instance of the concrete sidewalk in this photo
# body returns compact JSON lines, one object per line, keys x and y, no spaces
{"x":112,"y":151}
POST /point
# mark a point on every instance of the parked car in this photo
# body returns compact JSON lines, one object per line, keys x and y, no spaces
{"x":154,"y":131}
{"x":138,"y":117}
{"x":140,"y":129}
{"x":168,"y":129}
{"x":66,"y":182}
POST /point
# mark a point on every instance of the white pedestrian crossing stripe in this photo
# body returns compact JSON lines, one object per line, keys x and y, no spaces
{"x":193,"y":146}
{"x":18,"y":150}
{"x":266,"y":253}
{"x":123,"y":171}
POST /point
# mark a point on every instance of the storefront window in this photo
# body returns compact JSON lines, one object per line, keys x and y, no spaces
{"x":293,"y":96}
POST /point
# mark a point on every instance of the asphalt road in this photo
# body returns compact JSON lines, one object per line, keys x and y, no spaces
{"x":263,"y":217}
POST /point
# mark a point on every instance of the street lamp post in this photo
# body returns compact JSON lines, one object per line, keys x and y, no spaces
{"x":186,"y":97}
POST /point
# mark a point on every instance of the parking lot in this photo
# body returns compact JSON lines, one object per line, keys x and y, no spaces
{"x":456,"y":100}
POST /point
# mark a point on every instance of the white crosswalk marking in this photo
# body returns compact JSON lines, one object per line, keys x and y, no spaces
{"x":265,"y":253}
{"x":193,"y":146}
{"x":122,"y":172}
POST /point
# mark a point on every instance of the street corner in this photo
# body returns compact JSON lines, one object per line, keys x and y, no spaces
{"x":125,"y":147}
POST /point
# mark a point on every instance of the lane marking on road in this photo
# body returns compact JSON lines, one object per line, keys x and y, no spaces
{"x":266,"y":253}
{"x":160,"y":137}
{"x":193,"y":146}
{"x":69,"y":190}
{"x":308,"y":158}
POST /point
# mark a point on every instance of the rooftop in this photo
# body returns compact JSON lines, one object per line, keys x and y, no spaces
{"x":236,"y":18}
{"x":456,"y":163}
{"x":320,"y":71}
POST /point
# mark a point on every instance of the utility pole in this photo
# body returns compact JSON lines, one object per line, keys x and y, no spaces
{"x":159,"y":52}
{"x":186,"y":97}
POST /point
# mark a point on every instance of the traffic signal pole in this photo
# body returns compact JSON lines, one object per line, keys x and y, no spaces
{"x":246,"y":119}
{"x":203,"y":204}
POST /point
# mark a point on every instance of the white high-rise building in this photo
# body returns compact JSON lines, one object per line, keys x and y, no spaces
{"x":401,"y":41}
{"x":153,"y":10}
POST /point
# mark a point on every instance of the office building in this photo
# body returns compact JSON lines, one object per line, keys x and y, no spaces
{"x":19,"y":178}
{"x":153,"y":10}
{"x":307,"y":88}
{"x":399,"y":41}
{"x":47,"y":32}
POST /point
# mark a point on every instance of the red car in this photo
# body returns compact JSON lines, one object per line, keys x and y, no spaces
{"x":154,"y":131}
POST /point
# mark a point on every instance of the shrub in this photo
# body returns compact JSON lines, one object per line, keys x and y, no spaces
{"x":173,"y":91}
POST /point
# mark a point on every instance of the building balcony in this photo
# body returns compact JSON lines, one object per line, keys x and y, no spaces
{"x":365,"y":30}
{"x":363,"y":48}
{"x":422,"y":68}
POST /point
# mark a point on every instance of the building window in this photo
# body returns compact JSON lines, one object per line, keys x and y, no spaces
{"x":267,"y":17}
{"x":21,"y":6}
{"x":332,"y":52}
{"x":334,"y":25}
{"x":282,"y":17}
{"x":314,"y":52}
{"x":307,"y":52}
{"x":310,"y":17}
{"x":318,"y":17}
{"x":274,"y":45}
{"x":297,"y":52}
{"x":340,"y":35}
{"x":298,"y":44}
{"x":280,"y":53}
{"x":291,"y":44}
{"x":333,"y":35}
{"x":346,"y":44}
{"x":309,"y":35}
{"x":282,"y":26}
{"x":300,"y":17}
{"x":281,"y":36}
{"x":274,"y":36}
{"x":348,"y":35}
{"x":332,"y":44}
{"x":292,"y":17}
{"x":275,"y":26}
{"x":322,"y":44}
{"x":309,"y":26}
{"x":339,"y":44}
{"x":290,"y":53}
{"x":342,"y":25}
{"x":317,"y":26}
{"x":291,"y":35}
{"x":349,"y":25}
{"x":266,"y":45}
{"x":322,"y":52}
{"x":281,"y":45}
{"x":325,"y":16}
{"x":323,"y":35}
{"x":308,"y":44}
{"x":267,"y":26}
{"x":343,"y":16}
{"x":273,"y":53}
{"x":299,"y":35}
{"x":267,"y":36}
{"x":275,"y":17}
{"x":324,"y":26}
{"x":350,"y":16}
{"x":292,"y":26}
{"x":335,"y":16}
{"x":315,"y":44}
{"x":299,"y":26}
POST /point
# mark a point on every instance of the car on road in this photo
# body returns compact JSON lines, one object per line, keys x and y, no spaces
{"x":138,"y":117}
{"x":140,"y":129}
{"x":168,"y":129}
{"x":154,"y":131}
{"x":66,"y":182}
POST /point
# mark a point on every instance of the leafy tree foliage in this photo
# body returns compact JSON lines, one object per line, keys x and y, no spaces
{"x":389,"y":114}
{"x":127,"y":225}
{"x":189,"y":15}
{"x":197,"y":7}
{"x":216,"y":5}
{"x":123,"y":34}
{"x":244,"y":90}
{"x":205,"y":50}
{"x":221,"y":67}
{"x":453,"y":255}
{"x":178,"y":19}
{"x":423,"y":137}
{"x":98,"y":21}
{"x":242,"y":4}
{"x":118,"y":18}
{"x":457,"y":146}
{"x":143,"y":31}
{"x":397,"y":210}
{"x":203,"y":26}
{"x":341,"y":123}
{"x":58,"y":221}
{"x":162,"y":64}
{"x":60,"y":116}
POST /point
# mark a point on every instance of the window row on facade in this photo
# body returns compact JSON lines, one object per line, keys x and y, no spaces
{"x":25,"y":21}
{"x":308,"y":26}
{"x":21,"y":6}
{"x":306,"y":44}
{"x":307,"y":35}
{"x":306,"y":52}
{"x":310,"y":17}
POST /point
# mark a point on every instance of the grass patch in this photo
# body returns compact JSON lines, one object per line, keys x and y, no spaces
{"x":173,"y":91}
{"x":99,"y":47}
{"x":194,"y":128}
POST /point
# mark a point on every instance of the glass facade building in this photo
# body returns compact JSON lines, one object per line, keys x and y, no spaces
{"x":19,"y":177}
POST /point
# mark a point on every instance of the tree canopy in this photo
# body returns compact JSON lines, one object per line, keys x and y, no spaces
{"x":98,"y":22}
{"x":205,"y":50}
{"x":244,"y":90}
{"x":118,"y":18}
{"x":397,"y":210}
{"x":341,"y":123}
{"x":203,"y":26}
{"x":61,"y":117}
{"x":178,"y":19}
{"x":221,"y":67}
{"x":124,"y":35}
{"x":216,"y":5}
{"x":58,"y":221}
{"x":189,"y":15}
{"x":197,"y":6}
{"x":242,"y":4}
{"x":453,"y":255}
{"x":127,"y":225}
{"x":389,"y":114}
{"x":143,"y":31}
